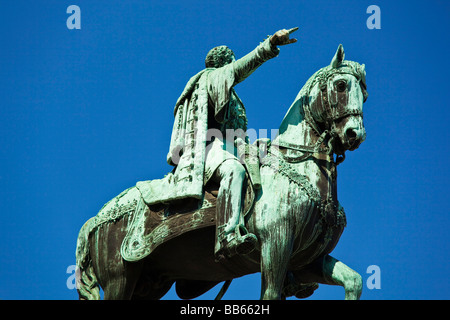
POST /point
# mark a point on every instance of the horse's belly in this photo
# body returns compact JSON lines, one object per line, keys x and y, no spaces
{"x":191,"y":256}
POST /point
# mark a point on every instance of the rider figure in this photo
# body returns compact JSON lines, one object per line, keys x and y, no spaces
{"x":211,"y":91}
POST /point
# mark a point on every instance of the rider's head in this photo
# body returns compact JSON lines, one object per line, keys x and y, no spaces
{"x":218,"y":57}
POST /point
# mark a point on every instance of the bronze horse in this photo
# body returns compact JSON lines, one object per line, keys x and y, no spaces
{"x":296,"y":215}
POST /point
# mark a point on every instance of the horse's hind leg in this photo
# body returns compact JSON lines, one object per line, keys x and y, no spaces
{"x":122,"y":283}
{"x":116,"y":276}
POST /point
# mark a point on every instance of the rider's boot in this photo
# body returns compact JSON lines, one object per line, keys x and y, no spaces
{"x":239,"y":242}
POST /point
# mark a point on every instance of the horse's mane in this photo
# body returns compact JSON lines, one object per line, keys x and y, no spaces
{"x":294,"y":116}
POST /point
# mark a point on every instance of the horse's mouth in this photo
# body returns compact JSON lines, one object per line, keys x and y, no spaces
{"x":350,"y":144}
{"x":339,"y":147}
{"x":354,"y":145}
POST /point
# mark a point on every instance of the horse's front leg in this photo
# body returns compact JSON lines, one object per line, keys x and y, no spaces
{"x":275,"y":254}
{"x":340,"y":274}
{"x":329,"y":270}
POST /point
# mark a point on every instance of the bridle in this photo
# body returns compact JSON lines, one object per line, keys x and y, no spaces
{"x":332,"y":113}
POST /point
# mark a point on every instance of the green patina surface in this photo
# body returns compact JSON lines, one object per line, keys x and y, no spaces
{"x":295,"y":216}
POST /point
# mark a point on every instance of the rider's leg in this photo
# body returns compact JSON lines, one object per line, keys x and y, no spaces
{"x":232,"y":237}
{"x":230,"y":174}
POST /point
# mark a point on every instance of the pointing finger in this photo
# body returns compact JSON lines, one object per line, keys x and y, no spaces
{"x":292,"y":30}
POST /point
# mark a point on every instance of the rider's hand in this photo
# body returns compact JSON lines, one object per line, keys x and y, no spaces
{"x":281,"y":37}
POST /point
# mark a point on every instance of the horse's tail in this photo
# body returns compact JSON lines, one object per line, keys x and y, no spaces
{"x":87,"y":284}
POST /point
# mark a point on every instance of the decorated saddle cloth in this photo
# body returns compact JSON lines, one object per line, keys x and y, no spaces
{"x":151,"y":226}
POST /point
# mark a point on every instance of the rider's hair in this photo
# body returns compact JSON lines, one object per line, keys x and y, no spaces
{"x":218,"y":57}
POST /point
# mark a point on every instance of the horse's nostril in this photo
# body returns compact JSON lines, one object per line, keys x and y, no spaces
{"x":351,"y":134}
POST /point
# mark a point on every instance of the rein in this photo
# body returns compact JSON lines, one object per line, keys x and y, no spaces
{"x":308,"y":150}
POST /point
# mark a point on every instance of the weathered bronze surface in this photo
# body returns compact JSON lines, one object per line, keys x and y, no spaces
{"x":135,"y":248}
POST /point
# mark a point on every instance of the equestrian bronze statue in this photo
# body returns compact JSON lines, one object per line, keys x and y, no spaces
{"x":231,"y":208}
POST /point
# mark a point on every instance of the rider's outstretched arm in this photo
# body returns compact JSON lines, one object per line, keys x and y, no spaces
{"x":263,"y":52}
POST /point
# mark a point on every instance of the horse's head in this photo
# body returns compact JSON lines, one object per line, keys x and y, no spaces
{"x":335,"y":99}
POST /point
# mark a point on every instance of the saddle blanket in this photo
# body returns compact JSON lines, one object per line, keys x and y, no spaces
{"x":152,"y":226}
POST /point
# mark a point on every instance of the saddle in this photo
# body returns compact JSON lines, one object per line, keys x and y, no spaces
{"x":152,"y":226}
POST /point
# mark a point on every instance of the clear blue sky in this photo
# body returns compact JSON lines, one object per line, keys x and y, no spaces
{"x":87,"y":113}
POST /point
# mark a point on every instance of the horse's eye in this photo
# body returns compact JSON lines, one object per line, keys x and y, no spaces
{"x":341,"y":86}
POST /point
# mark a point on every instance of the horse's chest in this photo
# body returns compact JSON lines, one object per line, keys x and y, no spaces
{"x":318,"y":237}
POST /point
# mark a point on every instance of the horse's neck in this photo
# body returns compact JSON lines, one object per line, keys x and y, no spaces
{"x":320,"y":169}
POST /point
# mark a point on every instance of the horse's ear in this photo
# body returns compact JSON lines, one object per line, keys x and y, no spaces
{"x":338,"y":57}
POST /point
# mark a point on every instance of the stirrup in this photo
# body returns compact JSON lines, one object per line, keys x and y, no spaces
{"x":239,"y":242}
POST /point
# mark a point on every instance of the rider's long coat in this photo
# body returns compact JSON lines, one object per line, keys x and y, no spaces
{"x":209,"y":91}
